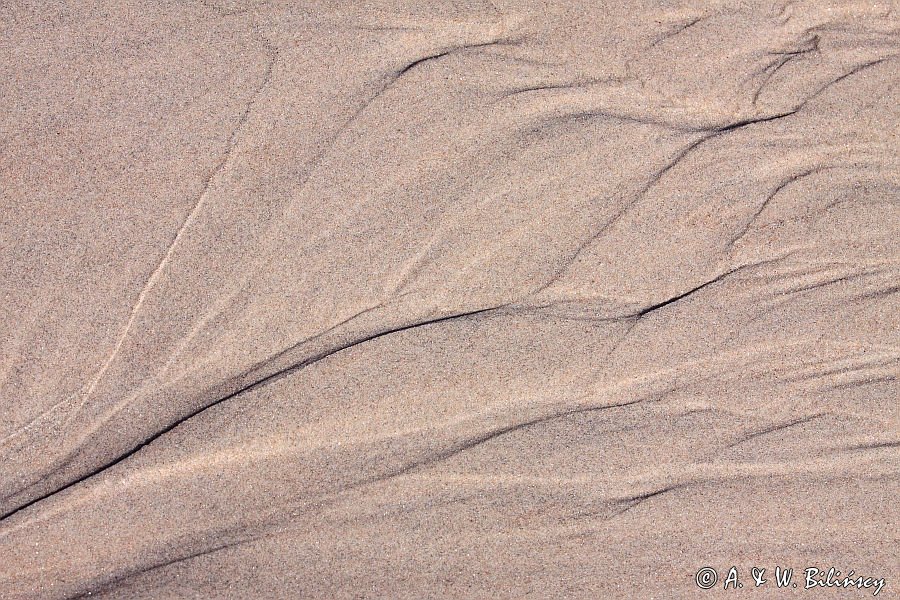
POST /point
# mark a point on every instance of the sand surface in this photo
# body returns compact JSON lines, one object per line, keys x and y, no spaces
{"x":447,"y":299}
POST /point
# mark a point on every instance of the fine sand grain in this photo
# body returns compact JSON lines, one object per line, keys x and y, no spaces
{"x":448,"y":299}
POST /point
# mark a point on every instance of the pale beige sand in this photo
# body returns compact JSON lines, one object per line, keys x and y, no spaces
{"x":447,"y":299}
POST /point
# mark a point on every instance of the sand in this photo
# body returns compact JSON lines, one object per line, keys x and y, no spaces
{"x":471,"y":299}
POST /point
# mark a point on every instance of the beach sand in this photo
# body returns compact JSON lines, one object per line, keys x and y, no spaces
{"x":471,"y":299}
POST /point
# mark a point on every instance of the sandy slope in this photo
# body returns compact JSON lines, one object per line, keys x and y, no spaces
{"x":447,"y":299}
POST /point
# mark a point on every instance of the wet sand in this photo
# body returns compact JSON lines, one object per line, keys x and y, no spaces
{"x":447,"y":299}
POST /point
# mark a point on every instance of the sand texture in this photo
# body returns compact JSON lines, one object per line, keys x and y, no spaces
{"x":447,"y":299}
